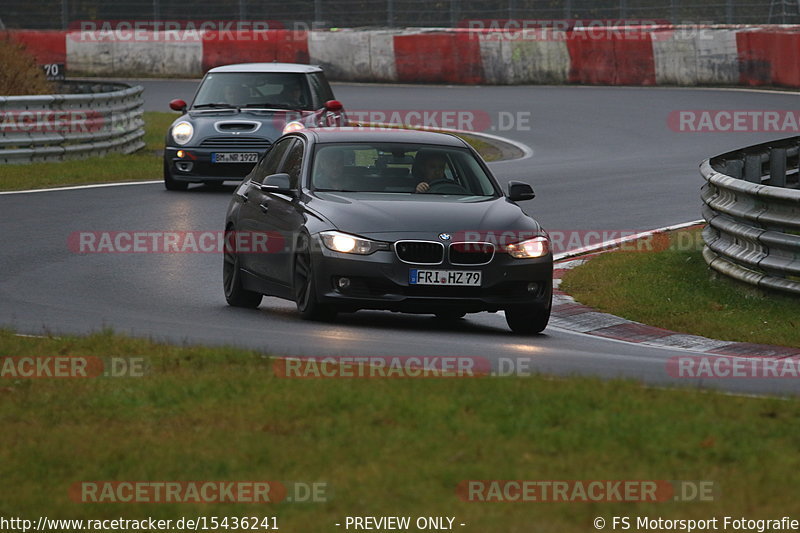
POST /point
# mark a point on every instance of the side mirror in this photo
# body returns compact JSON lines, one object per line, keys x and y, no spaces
{"x":519,"y":191}
{"x":333,"y":106}
{"x":277,"y":183}
{"x":177,"y":105}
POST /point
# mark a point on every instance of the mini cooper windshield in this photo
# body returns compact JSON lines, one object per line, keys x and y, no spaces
{"x":399,"y":168}
{"x":273,"y":90}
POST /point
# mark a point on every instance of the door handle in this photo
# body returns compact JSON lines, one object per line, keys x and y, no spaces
{"x":264,"y":207}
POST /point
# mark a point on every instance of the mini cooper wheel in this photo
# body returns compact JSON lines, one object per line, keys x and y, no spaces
{"x":170,"y":183}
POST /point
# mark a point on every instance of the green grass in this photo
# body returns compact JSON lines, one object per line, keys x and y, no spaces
{"x":143,"y":165}
{"x":384,"y":447}
{"x":674,"y":289}
{"x":488,"y":151}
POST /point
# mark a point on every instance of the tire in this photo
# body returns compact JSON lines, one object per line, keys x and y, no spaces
{"x":304,"y":294}
{"x":528,"y":321}
{"x":170,"y":183}
{"x":450,"y":315}
{"x":235,"y":294}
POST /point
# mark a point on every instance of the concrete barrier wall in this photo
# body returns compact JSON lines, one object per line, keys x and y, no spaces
{"x":663,"y":56}
{"x":149,"y":53}
{"x":45,"y":46}
{"x":223,"y":48}
{"x":769,"y":57}
{"x":526,"y":59}
{"x":345,"y":55}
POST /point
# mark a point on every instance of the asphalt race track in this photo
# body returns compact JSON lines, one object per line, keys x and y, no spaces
{"x":604,"y":159}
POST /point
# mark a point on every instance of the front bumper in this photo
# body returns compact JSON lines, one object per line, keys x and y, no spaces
{"x":381,"y":281}
{"x":200,"y":167}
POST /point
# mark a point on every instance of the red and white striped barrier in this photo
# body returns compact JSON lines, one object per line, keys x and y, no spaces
{"x":661,"y":55}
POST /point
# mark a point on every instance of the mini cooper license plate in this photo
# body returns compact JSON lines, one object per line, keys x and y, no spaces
{"x":234,"y":157}
{"x":463,"y":278}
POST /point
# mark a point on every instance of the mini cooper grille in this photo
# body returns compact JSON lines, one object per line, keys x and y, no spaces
{"x":471,"y":253}
{"x":420,"y":252}
{"x":237,"y":142}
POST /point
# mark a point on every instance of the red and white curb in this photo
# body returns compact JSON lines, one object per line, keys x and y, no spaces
{"x":571,"y":315}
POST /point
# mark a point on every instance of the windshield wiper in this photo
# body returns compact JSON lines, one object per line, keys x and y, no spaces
{"x":267,"y":105}
{"x":200,"y":106}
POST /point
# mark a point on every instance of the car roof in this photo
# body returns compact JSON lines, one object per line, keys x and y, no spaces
{"x":372,"y":134}
{"x":294,"y":68}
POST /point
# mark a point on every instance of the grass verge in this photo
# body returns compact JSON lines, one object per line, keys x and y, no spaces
{"x":143,"y":165}
{"x":674,"y":289}
{"x":384,"y":447}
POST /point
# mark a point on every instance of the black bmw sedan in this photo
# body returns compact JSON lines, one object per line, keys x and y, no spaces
{"x":344,"y":219}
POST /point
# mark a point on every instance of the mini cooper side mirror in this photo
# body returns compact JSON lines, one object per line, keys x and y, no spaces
{"x":519,"y":191}
{"x":177,"y":105}
{"x":277,"y":183}
{"x":333,"y":105}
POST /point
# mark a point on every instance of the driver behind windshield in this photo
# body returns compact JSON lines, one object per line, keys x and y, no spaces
{"x":329,"y":172}
{"x":428,"y":167}
{"x":292,"y":95}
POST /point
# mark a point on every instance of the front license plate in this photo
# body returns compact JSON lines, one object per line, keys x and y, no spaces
{"x":464,"y":278}
{"x":234,"y":157}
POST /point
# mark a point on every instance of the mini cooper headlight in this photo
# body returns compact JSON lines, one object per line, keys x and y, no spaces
{"x":293,"y":126}
{"x":182,"y":132}
{"x":529,"y":249}
{"x":350,"y":244}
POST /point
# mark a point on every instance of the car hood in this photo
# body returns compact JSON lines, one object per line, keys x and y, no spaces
{"x":244,"y":122}
{"x":395,"y":216}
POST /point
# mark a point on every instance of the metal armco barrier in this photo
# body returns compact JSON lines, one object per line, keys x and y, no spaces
{"x":86,"y":119}
{"x":752,"y":206}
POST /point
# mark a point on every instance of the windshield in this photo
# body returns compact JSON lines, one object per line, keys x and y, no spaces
{"x":399,"y":168}
{"x":275,"y":90}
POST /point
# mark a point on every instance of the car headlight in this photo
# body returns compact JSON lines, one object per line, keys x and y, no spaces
{"x":182,"y":132}
{"x":529,"y":249}
{"x":350,"y":244}
{"x":293,"y":126}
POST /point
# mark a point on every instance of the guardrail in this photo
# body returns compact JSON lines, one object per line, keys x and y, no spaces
{"x":85,"y":119}
{"x":752,"y":205}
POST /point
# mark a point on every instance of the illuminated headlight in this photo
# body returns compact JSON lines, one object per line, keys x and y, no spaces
{"x":293,"y":126}
{"x":182,"y":132}
{"x":350,"y":244}
{"x":532,"y":248}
